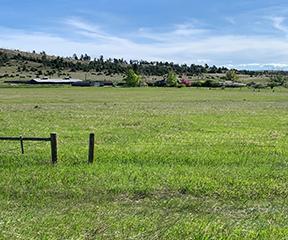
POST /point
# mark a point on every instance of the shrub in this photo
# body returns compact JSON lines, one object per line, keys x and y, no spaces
{"x":172,"y":80}
{"x":132,"y":79}
{"x":186,"y":82}
{"x":231,"y":75}
{"x":278,"y":80}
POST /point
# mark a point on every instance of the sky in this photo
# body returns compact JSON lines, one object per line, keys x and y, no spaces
{"x":243,"y":34}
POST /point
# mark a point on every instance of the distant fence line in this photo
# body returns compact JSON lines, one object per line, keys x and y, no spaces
{"x":53,"y":143}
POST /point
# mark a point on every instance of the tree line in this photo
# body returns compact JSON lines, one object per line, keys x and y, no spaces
{"x":111,"y":66}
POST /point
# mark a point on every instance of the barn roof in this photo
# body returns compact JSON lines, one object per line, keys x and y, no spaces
{"x":47,"y":81}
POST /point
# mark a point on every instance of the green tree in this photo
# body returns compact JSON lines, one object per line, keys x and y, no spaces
{"x":276,"y":81}
{"x":75,"y":57}
{"x":172,"y":80}
{"x":231,"y":75}
{"x":132,"y":79}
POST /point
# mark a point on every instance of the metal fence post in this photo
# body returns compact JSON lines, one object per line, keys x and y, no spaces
{"x":91,"y":148}
{"x":53,"y":137}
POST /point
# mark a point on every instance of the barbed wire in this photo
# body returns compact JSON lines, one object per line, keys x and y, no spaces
{"x":78,"y":144}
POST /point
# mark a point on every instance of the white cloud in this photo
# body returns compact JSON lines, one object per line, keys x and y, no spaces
{"x":278,"y":23}
{"x":94,"y":31}
{"x":183,"y":44}
{"x":180,"y":32}
{"x":267,"y":66}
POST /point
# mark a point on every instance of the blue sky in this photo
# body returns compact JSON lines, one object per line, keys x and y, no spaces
{"x":250,"y":34}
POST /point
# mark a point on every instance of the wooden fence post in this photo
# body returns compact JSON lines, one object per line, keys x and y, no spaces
{"x":53,"y":137}
{"x":91,"y":148}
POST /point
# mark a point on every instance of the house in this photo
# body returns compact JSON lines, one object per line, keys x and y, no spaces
{"x":67,"y":81}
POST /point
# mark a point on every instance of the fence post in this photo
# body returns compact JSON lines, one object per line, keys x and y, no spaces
{"x":53,"y":137}
{"x":91,"y":148}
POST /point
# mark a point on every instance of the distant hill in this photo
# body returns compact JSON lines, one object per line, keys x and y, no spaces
{"x":15,"y":64}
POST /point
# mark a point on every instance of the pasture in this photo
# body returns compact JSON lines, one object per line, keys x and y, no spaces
{"x":170,"y":164}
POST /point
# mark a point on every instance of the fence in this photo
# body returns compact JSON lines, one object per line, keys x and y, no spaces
{"x":53,"y":142}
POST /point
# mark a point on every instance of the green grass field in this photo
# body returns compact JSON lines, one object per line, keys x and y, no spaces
{"x":170,"y":164}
